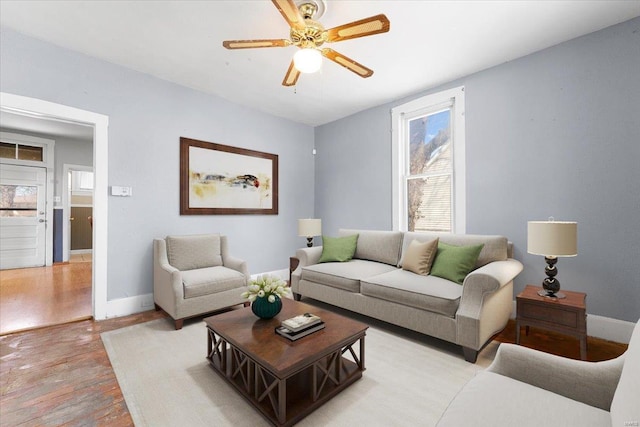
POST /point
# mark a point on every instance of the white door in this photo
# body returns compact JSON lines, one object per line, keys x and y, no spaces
{"x":22,"y":216}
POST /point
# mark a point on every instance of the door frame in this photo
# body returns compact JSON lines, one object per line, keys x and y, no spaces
{"x":48,"y":165}
{"x":66,"y":206}
{"x":33,"y":107}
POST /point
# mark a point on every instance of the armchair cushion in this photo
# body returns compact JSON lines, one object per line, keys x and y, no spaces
{"x":211,"y":280}
{"x":526,"y":406}
{"x":195,"y":251}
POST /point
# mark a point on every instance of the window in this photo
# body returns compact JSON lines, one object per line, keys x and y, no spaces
{"x":428,"y":163}
{"x":20,"y":151}
{"x":82,"y":180}
{"x":18,"y":200}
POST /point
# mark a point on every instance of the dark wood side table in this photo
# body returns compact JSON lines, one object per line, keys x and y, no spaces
{"x":293,"y":264}
{"x":564,"y":315}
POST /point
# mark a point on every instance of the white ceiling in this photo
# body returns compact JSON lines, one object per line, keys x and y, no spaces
{"x":430,"y":43}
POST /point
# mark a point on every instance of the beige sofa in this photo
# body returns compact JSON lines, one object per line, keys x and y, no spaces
{"x":373,"y":284}
{"x":539,"y":389}
{"x":195,"y":274}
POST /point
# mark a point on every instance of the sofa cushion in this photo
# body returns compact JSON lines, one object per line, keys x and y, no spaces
{"x":196,"y":251}
{"x":419,"y":256}
{"x":344,"y":275}
{"x":379,"y":246}
{"x":425,"y":292}
{"x":455,"y":262}
{"x":491,"y":399}
{"x":624,"y":407}
{"x":338,"y":249}
{"x":495,"y":247}
{"x":211,"y":280}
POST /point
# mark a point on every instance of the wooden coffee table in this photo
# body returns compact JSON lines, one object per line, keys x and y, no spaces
{"x":285,"y":380}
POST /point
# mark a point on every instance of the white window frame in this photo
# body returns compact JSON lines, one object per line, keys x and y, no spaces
{"x":400,"y":117}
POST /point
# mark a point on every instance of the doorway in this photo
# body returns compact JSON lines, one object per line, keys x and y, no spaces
{"x":37,"y":108}
{"x":77,"y":202}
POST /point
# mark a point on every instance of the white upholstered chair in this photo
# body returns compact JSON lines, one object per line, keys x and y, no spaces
{"x":194,"y":275}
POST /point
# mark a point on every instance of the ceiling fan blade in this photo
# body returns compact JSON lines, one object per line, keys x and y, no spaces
{"x":291,"y":77}
{"x":347,"y":63}
{"x":290,"y":13}
{"x":249,"y":44}
{"x":364,"y":27}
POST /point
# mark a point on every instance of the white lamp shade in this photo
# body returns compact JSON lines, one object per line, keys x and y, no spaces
{"x":552,"y":238}
{"x":307,"y":60}
{"x":309,"y":227}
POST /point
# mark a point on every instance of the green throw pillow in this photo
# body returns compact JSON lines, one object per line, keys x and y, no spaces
{"x":455,"y":262}
{"x":338,"y":249}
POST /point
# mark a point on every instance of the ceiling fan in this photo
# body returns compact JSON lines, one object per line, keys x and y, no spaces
{"x":309,"y":35}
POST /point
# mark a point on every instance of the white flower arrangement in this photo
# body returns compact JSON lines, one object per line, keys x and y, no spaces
{"x":266,"y":287}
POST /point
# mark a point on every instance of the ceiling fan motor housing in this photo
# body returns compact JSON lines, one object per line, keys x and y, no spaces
{"x":312,"y":35}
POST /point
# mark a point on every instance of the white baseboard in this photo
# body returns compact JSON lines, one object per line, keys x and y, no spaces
{"x":131,"y":305}
{"x":603,"y":327}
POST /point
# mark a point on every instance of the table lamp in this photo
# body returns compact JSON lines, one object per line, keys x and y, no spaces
{"x":309,"y":228}
{"x":552,"y":239}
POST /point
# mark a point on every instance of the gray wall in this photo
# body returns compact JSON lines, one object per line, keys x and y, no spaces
{"x":556,"y":133}
{"x":147,"y":116}
{"x":73,"y":152}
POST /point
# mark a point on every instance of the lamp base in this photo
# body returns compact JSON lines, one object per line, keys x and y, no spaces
{"x":550,"y":285}
{"x":558,"y":295}
{"x":309,"y":242}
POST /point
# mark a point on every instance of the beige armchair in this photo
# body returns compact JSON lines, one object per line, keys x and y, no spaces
{"x":194,"y":275}
{"x":525,"y":387}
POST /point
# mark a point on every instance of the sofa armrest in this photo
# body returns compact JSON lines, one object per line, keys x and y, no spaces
{"x":592,"y":383}
{"x":486,"y":302}
{"x":307,"y":256}
{"x":486,"y":279}
{"x":238,"y":265}
{"x":492,"y":276}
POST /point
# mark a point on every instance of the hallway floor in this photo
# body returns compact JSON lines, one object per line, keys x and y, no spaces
{"x":44,"y":296}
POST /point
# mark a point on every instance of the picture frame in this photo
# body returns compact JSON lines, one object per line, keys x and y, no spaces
{"x":218,"y":179}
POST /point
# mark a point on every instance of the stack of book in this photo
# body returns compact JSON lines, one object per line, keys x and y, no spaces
{"x":300,"y":326}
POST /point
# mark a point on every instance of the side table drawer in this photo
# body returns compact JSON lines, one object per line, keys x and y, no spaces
{"x":546,"y":313}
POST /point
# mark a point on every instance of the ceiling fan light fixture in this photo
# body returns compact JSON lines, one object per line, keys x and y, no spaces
{"x":307,"y":60}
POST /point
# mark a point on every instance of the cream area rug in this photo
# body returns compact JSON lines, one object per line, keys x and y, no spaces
{"x":167,"y":381}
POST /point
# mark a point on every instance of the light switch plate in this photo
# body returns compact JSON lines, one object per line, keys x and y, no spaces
{"x":117,"y":190}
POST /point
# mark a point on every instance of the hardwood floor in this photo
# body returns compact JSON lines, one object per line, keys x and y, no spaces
{"x":562,"y":345}
{"x":44,"y":296}
{"x":61,"y":375}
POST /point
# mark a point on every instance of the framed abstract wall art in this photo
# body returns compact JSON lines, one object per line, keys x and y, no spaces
{"x":219,"y":179}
